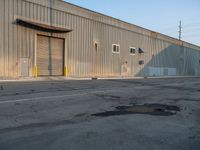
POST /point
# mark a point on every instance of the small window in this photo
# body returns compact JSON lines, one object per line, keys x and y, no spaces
{"x":132,"y":50}
{"x":116,"y":48}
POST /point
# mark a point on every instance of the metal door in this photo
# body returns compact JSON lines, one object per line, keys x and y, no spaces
{"x":50,"y":56}
{"x":43,"y":56}
{"x":24,"y":67}
{"x":57,"y":56}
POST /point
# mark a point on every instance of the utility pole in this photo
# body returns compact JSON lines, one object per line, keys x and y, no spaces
{"x":180,"y":30}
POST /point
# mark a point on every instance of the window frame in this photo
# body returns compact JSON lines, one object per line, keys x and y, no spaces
{"x":118,"y":45}
{"x":134,"y":49}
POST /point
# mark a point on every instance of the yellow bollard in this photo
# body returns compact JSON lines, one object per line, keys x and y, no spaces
{"x":35,"y":72}
{"x":66,"y":71}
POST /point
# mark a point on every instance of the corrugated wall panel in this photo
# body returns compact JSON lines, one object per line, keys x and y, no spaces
{"x":2,"y":8}
{"x":6,"y":37}
{"x":15,"y":37}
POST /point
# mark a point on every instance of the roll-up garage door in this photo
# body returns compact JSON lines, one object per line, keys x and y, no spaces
{"x":50,"y":56}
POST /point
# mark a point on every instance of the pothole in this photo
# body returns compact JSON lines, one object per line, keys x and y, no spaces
{"x":149,"y":109}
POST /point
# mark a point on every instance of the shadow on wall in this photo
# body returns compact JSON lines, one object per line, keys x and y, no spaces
{"x":172,"y":61}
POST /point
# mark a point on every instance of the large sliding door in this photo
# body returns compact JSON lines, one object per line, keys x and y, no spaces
{"x":50,"y":56}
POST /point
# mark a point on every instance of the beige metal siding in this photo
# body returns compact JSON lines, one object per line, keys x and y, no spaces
{"x":81,"y":59}
{"x":1,"y":38}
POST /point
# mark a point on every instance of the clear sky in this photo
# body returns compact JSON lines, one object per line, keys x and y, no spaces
{"x":158,"y":15}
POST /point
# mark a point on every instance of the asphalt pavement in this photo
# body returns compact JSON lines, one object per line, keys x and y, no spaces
{"x":129,"y":114}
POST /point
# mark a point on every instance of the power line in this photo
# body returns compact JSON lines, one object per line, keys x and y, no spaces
{"x":192,"y":35}
{"x":191,"y":26}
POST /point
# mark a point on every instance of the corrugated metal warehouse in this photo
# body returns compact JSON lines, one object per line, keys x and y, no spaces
{"x":55,"y":38}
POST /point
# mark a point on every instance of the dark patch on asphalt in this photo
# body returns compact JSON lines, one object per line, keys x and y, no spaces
{"x":25,"y":92}
{"x":180,"y":88}
{"x":192,"y":137}
{"x":1,"y":88}
{"x":81,"y":118}
{"x":126,"y":81}
{"x":80,"y":115}
{"x":36,"y":125}
{"x":17,"y":104}
{"x":32,"y":91}
{"x":108,"y":97}
{"x":184,"y":99}
{"x":149,"y":109}
{"x":139,"y":83}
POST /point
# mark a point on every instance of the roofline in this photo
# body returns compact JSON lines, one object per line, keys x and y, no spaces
{"x":129,"y":23}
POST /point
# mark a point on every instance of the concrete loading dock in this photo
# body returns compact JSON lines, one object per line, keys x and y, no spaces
{"x":95,"y":45}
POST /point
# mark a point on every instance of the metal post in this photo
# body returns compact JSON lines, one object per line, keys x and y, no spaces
{"x":180,"y":30}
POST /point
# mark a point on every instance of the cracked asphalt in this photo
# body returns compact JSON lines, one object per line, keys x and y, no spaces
{"x":58,"y":115}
